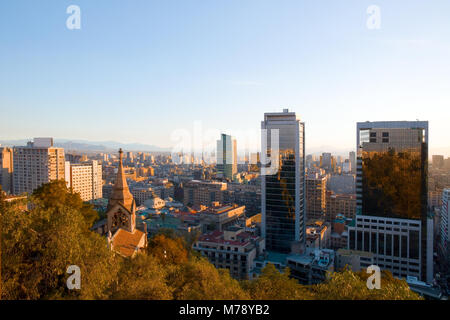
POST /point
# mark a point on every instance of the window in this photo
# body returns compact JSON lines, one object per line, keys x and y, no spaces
{"x":388,"y":244}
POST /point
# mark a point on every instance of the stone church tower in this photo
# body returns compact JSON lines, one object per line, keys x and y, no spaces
{"x":123,"y":236}
{"x":121,"y":212}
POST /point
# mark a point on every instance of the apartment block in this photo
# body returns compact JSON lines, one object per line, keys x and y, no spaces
{"x":85,"y":178}
{"x":316,"y":187}
{"x":340,"y":204}
{"x":37,"y":163}
{"x":232,"y":249}
{"x":198,"y":192}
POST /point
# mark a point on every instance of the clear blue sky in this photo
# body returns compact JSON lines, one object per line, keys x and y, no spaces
{"x":139,"y":69}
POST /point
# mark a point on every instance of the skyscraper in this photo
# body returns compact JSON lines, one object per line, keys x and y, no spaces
{"x":282,"y":191}
{"x":37,"y":163}
{"x":445,"y":223}
{"x":391,"y":188}
{"x":227,"y":156}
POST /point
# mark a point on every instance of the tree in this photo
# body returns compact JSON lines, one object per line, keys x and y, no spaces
{"x":2,"y":208}
{"x":168,"y":250}
{"x":142,"y":278}
{"x":347,"y":285}
{"x":274,"y":285}
{"x":39,"y":245}
{"x":55,"y":194}
{"x":200,"y":280}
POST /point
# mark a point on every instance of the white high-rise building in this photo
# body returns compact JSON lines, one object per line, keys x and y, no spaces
{"x":35,"y":164}
{"x":283,"y":184}
{"x":85,"y":179}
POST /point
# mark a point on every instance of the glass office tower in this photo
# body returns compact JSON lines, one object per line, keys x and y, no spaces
{"x":391,"y":187}
{"x":283,"y":196}
{"x":227,"y":156}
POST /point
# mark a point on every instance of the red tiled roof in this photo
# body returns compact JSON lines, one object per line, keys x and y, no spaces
{"x":127,"y":243}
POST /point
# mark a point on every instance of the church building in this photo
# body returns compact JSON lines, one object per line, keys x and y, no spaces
{"x":120,"y":225}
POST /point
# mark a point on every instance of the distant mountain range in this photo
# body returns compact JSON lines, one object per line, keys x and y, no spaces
{"x":85,"y":145}
{"x":112,"y":146}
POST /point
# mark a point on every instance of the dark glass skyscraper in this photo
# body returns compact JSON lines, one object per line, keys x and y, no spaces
{"x":391,"y":187}
{"x":283,"y":196}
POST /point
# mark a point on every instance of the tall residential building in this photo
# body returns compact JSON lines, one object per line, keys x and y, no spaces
{"x":437,"y":161}
{"x":283,"y":188}
{"x":85,"y":179}
{"x":445,"y":223}
{"x":326,"y":161}
{"x":392,"y":218}
{"x":352,"y":159}
{"x":6,"y":169}
{"x":37,"y":163}
{"x":316,"y":187}
{"x":340,"y":204}
{"x":227,"y":156}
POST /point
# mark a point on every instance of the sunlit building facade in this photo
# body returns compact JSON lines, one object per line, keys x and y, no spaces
{"x":6,"y":169}
{"x":37,"y":163}
{"x":283,"y":189}
{"x":391,"y":186}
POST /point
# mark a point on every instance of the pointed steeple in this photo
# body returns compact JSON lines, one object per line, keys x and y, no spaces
{"x":120,"y":192}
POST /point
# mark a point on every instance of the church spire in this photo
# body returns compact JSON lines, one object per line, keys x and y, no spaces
{"x":120,"y":192}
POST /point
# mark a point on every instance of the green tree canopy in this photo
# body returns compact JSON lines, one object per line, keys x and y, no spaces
{"x":142,"y":278}
{"x":55,"y":194}
{"x":200,"y":280}
{"x":348,"y":285}
{"x":38,"y":245}
{"x":274,"y":285}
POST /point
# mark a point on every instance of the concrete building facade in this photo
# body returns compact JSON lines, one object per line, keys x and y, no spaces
{"x":35,"y":164}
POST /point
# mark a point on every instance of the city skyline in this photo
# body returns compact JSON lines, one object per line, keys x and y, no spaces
{"x":162,"y":67}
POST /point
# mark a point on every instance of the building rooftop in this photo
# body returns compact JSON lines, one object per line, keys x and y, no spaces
{"x":346,"y":252}
{"x":217,"y":236}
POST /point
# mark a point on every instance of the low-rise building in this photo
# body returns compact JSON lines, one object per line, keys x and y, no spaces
{"x":318,"y":234}
{"x":218,"y":217}
{"x":198,"y":192}
{"x":232,"y":249}
{"x":339,"y":233}
{"x":353,"y":259}
{"x":312,"y":266}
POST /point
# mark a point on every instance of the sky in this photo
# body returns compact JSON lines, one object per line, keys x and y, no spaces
{"x":139,"y":70}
